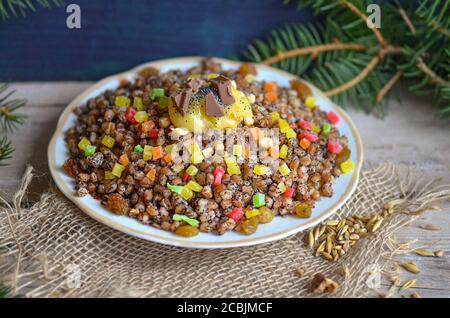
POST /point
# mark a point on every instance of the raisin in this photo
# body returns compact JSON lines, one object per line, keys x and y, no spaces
{"x":265,"y":215}
{"x":117,"y":204}
{"x":249,"y":226}
{"x":187,"y":231}
{"x":302,"y":210}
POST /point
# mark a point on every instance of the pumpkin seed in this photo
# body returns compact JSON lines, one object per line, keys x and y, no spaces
{"x":409,"y":284}
{"x":423,"y":252}
{"x":411,"y":267}
{"x":430,"y":227}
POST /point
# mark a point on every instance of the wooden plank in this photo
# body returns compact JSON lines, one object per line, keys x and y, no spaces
{"x":410,"y":135}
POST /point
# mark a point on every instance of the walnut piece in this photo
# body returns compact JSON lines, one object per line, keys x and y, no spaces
{"x":321,"y":284}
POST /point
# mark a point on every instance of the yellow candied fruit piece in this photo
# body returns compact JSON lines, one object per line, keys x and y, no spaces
{"x":283,"y":151}
{"x":291,"y":134}
{"x":122,"y":101}
{"x":251,"y":213}
{"x":196,"y":154}
{"x":233,"y":169}
{"x":212,"y":76}
{"x":194,"y":186}
{"x":275,"y":116}
{"x":281,"y":187}
{"x":310,"y":102}
{"x":137,"y":103}
{"x":141,"y":116}
{"x":230,"y":160}
{"x":192,"y":170}
{"x":237,"y":150}
{"x":117,"y":169}
{"x":284,"y":169}
{"x":192,"y":76}
{"x":186,"y":193}
{"x":147,"y":154}
{"x":284,"y":126}
{"x":261,"y":170}
{"x":84,"y":143}
{"x":347,"y":166}
{"x":108,"y":141}
{"x":315,"y":128}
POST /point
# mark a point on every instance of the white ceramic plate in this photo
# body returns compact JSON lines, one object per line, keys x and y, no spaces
{"x":279,"y":228}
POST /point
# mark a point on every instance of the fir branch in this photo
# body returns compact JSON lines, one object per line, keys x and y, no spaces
{"x":314,"y":51}
{"x":9,"y":118}
{"x":13,"y":8}
{"x":408,"y":45}
{"x":6,"y":150}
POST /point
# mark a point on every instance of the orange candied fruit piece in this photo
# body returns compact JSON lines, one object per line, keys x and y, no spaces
{"x":151,"y":175}
{"x":247,"y":68}
{"x":305,"y":143}
{"x":157,"y":153}
{"x":271,"y":96}
{"x":270,"y":87}
{"x":302,"y":89}
{"x":123,"y":160}
{"x":167,"y":158}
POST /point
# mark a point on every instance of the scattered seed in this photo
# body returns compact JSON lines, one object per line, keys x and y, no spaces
{"x":310,"y":239}
{"x":415,"y":295}
{"x":388,"y":205}
{"x":411,"y":267}
{"x":423,"y":252}
{"x":377,"y":225}
{"x":439,"y":253}
{"x":345,"y":271}
{"x":409,"y":284}
{"x":429,"y":227}
{"x":300,"y":271}
{"x":327,"y":256}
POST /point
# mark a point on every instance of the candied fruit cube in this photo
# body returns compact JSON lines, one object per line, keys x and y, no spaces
{"x":141,"y":116}
{"x":333,"y":118}
{"x":89,"y":150}
{"x":281,"y":187}
{"x":122,"y":101}
{"x":109,"y":175}
{"x":84,"y":142}
{"x":233,"y":169}
{"x":283,"y":151}
{"x":347,"y":166}
{"x":108,"y":141}
{"x":259,"y":200}
{"x":138,"y":149}
{"x":137,"y":103}
{"x":192,"y":170}
{"x":251,"y":213}
{"x":156,"y":92}
{"x":194,"y":186}
{"x":236,"y":214}
{"x":117,"y":169}
{"x":305,"y":143}
{"x":147,"y":152}
{"x":334,"y":147}
{"x":326,"y":128}
{"x":284,"y":169}
{"x":186,"y":193}
{"x":275,"y":116}
{"x":261,"y":170}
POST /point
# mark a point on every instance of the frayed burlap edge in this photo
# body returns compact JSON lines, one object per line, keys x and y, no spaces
{"x":52,"y":249}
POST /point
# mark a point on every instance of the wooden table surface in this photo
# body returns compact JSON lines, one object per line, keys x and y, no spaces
{"x":411,"y":135}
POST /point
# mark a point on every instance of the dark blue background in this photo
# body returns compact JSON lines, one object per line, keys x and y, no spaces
{"x":117,"y":35}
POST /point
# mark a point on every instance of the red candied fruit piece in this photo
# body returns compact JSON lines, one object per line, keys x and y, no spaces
{"x":185,"y":177}
{"x":153,"y":133}
{"x":308,"y":136}
{"x":236,"y":214}
{"x":304,"y":124}
{"x":218,"y":174}
{"x":334,"y":147}
{"x":289,"y":193}
{"x":293,"y":125}
{"x":333,"y":118}
{"x":129,"y":115}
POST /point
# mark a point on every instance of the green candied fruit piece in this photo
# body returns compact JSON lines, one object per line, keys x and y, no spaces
{"x":184,"y":218}
{"x":89,"y":150}
{"x":326,"y":128}
{"x":138,"y":149}
{"x":156,"y":92}
{"x":259,"y":200}
{"x":175,"y":188}
{"x":163,"y":102}
{"x":141,"y":116}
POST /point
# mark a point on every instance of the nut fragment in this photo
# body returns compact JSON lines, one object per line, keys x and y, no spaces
{"x":321,"y":284}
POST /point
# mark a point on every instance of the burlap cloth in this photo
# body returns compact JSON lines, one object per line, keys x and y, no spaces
{"x":42,"y":245}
